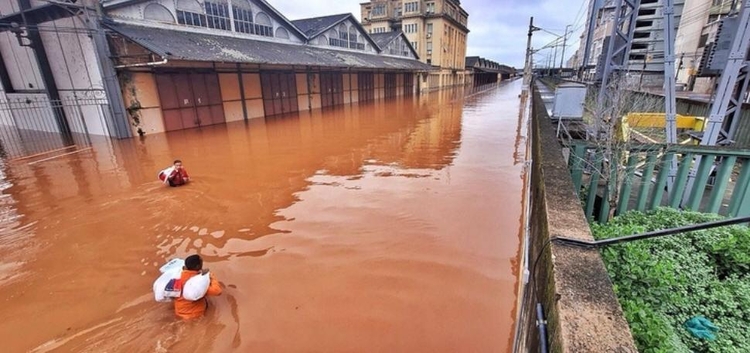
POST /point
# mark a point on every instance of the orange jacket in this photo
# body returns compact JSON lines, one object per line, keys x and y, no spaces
{"x":186,"y":309}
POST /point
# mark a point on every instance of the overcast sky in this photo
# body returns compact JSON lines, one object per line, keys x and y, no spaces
{"x":498,"y":27}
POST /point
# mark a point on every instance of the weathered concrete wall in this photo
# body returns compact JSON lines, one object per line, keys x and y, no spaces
{"x":572,"y":284}
{"x":142,"y":101}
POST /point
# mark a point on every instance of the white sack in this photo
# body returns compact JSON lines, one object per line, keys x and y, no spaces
{"x":168,"y":285}
{"x":196,"y":287}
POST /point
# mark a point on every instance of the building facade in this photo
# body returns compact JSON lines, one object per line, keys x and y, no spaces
{"x":150,"y":66}
{"x":645,"y":63}
{"x":697,"y":32}
{"x":697,"y":24}
{"x":436,"y":29}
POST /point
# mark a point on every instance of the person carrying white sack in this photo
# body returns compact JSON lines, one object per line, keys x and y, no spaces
{"x":191,"y":304}
{"x":175,"y":175}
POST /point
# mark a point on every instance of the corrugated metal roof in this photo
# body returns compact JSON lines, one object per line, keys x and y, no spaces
{"x":312,"y":27}
{"x":191,"y":46}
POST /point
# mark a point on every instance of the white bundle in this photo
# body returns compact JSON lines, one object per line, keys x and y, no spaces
{"x":196,"y":287}
{"x":168,"y":285}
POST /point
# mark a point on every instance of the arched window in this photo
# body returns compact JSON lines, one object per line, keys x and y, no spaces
{"x":263,"y":25}
{"x":333,"y":38}
{"x":343,"y":36}
{"x":217,"y":14}
{"x":190,"y":12}
{"x":323,"y":40}
{"x":157,"y":12}
{"x":282,"y":33}
{"x":243,"y":17}
{"x":353,"y":39}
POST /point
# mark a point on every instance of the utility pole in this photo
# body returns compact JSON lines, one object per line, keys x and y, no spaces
{"x":550,"y":64}
{"x":554,"y":59}
{"x":527,"y":66}
{"x":565,"y":41}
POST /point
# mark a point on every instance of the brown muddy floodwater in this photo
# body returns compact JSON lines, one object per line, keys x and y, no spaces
{"x":383,"y":227}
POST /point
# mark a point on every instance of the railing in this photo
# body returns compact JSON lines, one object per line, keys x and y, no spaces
{"x":34,"y":125}
{"x":640,"y":175}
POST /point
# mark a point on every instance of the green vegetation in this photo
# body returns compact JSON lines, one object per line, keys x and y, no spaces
{"x":661,"y":283}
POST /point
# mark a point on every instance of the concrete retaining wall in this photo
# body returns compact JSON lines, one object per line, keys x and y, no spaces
{"x":572,"y":284}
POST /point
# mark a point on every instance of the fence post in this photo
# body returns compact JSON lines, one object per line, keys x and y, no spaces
{"x":740,"y":189}
{"x":646,"y":181}
{"x":593,"y":185}
{"x":680,"y":180}
{"x":722,"y":179}
{"x":701,"y":180}
{"x":661,"y":181}
{"x":577,"y":154}
{"x":627,"y":184}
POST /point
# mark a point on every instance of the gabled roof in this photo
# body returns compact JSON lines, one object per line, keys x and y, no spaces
{"x":113,"y":4}
{"x":319,"y":25}
{"x":384,"y":39}
{"x":279,"y":16}
{"x":194,"y":46}
{"x":480,"y":64}
{"x":312,"y":27}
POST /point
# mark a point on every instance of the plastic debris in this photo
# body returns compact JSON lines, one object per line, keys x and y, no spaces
{"x":702,"y":328}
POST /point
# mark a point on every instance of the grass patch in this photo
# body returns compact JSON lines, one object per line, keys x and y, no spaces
{"x":661,"y":283}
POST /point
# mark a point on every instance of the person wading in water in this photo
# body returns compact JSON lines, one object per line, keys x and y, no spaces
{"x":187,"y":309}
{"x":176,"y":175}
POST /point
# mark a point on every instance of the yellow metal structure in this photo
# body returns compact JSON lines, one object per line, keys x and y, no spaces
{"x":656,"y":120}
{"x":659,"y":120}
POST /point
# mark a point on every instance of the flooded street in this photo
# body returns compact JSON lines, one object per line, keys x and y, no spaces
{"x":383,"y":227}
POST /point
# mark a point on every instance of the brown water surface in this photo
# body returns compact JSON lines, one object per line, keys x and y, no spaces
{"x":382,"y":227}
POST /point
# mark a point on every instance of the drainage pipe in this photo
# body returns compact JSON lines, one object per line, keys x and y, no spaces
{"x":657,"y":233}
{"x":153,"y":63}
{"x":542,"y":325}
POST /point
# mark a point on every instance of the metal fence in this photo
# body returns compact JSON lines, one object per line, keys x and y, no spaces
{"x":720,"y":186}
{"x":32,"y":124}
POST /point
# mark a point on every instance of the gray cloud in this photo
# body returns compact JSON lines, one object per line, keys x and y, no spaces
{"x":498,"y":27}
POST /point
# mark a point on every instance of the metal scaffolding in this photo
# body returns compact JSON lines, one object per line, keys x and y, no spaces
{"x":616,"y":57}
{"x":727,"y":102}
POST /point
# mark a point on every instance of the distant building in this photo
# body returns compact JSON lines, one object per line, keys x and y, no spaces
{"x":162,"y":65}
{"x":481,"y":71}
{"x":436,"y":29}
